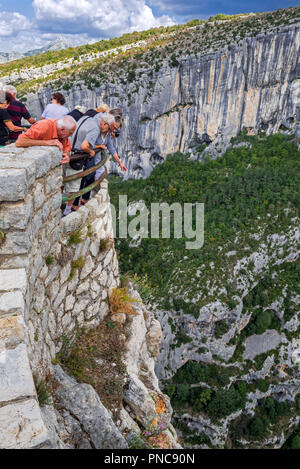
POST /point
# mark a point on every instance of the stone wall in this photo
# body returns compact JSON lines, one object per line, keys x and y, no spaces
{"x":55,"y":276}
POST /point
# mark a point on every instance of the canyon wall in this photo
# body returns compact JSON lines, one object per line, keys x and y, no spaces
{"x":254,"y":84}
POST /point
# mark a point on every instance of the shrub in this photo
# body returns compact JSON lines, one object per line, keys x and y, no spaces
{"x":121,"y":302}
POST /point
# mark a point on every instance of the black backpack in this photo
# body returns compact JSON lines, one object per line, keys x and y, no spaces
{"x":77,"y":158}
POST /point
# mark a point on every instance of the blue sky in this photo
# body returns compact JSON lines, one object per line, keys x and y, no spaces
{"x":29,"y":24}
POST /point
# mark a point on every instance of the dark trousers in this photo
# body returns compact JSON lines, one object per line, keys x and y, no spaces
{"x":86,"y":181}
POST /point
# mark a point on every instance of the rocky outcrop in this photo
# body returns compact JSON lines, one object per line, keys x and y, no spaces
{"x":79,"y":419}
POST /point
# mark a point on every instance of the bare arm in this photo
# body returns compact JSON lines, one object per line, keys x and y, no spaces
{"x":12,"y":127}
{"x":117,"y":159}
{"x":85,"y":146}
{"x":24,"y":142}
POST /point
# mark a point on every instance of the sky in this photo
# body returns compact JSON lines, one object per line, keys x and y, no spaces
{"x":27,"y":24}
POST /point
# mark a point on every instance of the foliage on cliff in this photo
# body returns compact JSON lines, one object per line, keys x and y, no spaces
{"x":251,"y":197}
{"x":243,"y":191}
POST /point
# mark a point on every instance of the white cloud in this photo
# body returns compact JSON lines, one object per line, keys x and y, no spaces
{"x":96,"y":17}
{"x":12,"y":23}
{"x":80,"y":21}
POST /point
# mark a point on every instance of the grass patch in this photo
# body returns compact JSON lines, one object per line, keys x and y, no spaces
{"x":49,"y":260}
{"x":75,"y":238}
{"x":95,"y":357}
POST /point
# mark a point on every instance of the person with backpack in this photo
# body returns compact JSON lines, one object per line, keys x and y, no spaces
{"x":87,"y":132}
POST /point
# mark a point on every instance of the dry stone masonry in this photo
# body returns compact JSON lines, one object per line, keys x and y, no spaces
{"x":48,"y":286}
{"x":56,"y":275}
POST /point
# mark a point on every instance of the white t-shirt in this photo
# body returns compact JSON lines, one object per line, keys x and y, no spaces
{"x":54,"y":111}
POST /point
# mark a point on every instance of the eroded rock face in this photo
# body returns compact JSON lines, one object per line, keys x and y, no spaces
{"x":206,"y":98}
{"x":83,"y":404}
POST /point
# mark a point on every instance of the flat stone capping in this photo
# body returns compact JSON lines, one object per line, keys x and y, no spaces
{"x":21,"y":425}
{"x":25,"y":165}
{"x":13,"y":279}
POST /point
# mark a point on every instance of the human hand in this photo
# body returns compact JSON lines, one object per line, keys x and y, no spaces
{"x":123,"y":168}
{"x":92,"y":153}
{"x":102,"y":147}
{"x":58,"y":144}
{"x":65,"y":159}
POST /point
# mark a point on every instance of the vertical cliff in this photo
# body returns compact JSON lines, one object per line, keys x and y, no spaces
{"x":203,"y":97}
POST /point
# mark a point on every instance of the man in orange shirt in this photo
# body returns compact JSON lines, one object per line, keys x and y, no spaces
{"x":50,"y":132}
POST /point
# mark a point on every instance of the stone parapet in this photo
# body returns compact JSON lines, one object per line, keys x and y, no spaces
{"x":55,"y":277}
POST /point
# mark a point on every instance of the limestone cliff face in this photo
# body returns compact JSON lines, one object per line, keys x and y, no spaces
{"x":254,"y":85}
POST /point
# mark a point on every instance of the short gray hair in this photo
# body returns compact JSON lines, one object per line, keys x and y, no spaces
{"x":67,"y":122}
{"x":105,"y":117}
{"x":10,"y":89}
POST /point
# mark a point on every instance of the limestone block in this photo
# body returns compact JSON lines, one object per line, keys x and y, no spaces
{"x":81,"y":304}
{"x":16,"y":215}
{"x":13,"y":279}
{"x":11,"y":332}
{"x":15,"y":374}
{"x":108,"y":258}
{"x":61,"y":296}
{"x":54,"y":181}
{"x":66,"y":321}
{"x":54,"y":271}
{"x":73,"y":222}
{"x":70,"y":300}
{"x":37,"y":223}
{"x":15,"y":262}
{"x":98,"y":270}
{"x":11,"y":302}
{"x":103,"y":278}
{"x":13,"y":185}
{"x":41,"y":157}
{"x":9,"y":164}
{"x":65,"y":273}
{"x":38,"y":196}
{"x":73,"y":283}
{"x":55,"y":202}
{"x":83,"y":287}
{"x":87,"y":268}
{"x":46,"y":211}
{"x":94,"y":248}
{"x":17,"y":242}
{"x":21,"y":425}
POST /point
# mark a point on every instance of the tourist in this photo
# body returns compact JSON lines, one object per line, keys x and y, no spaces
{"x":102,"y":108}
{"x":6,"y":124}
{"x":50,"y":132}
{"x":17,"y":110}
{"x":77,"y":113}
{"x":55,"y":110}
{"x":117,"y":113}
{"x":93,"y":134}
